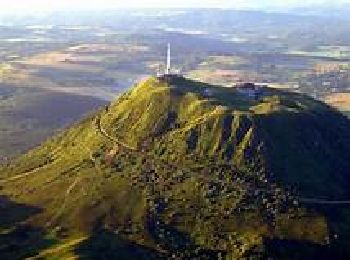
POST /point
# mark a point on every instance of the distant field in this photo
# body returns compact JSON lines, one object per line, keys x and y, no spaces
{"x":339,"y":100}
{"x":224,"y":77}
{"x":336,"y":52}
{"x":223,"y":61}
{"x":4,"y":70}
{"x":97,"y":70}
{"x":286,"y":86}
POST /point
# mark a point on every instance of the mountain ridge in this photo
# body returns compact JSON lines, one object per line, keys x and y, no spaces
{"x":186,"y":169}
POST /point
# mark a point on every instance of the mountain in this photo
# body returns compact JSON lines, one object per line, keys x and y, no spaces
{"x":183,"y":169}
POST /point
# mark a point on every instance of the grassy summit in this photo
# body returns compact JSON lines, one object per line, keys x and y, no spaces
{"x":183,"y":169}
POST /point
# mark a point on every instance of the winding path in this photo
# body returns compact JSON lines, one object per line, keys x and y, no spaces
{"x":25,"y":174}
{"x":66,"y":195}
{"x":103,"y":132}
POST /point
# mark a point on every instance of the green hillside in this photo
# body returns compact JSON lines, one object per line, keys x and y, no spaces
{"x":182,"y":169}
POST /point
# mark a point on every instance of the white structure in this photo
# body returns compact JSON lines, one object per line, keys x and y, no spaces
{"x":169,"y":72}
{"x":168,"y":61}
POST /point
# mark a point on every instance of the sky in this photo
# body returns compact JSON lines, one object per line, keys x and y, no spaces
{"x":25,"y":6}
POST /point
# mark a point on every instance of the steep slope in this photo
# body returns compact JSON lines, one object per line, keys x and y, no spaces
{"x":299,"y":139}
{"x":184,"y":169}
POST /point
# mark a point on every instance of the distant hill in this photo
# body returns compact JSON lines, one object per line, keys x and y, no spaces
{"x":338,"y":11}
{"x":178,"y":168}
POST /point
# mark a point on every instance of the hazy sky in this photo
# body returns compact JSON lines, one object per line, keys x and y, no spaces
{"x":41,"y":5}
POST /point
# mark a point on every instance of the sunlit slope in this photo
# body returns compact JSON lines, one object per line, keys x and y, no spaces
{"x":300,"y":140}
{"x":179,"y":168}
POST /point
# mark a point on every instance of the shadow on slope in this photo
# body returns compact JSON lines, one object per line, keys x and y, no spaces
{"x":12,"y":212}
{"x":293,"y":249}
{"x":309,"y":150}
{"x":18,"y":240}
{"x":104,"y":244}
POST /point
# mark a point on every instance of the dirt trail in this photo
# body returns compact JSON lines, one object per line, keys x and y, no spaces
{"x":103,"y":132}
{"x":66,"y":195}
{"x":26,"y":174}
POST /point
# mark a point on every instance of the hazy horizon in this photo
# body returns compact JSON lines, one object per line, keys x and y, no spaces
{"x":37,"y":6}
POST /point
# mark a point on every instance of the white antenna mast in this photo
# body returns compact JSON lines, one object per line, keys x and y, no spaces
{"x":168,"y":63}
